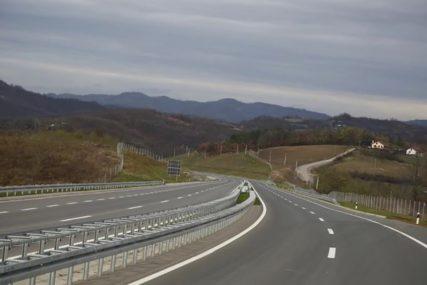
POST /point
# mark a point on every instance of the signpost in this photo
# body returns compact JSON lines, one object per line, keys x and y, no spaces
{"x":174,"y":168}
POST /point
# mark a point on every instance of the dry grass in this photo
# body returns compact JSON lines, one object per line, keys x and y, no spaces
{"x":54,"y":157}
{"x":143,"y":168}
{"x":370,"y":165}
{"x":230,"y":164}
{"x":301,"y":154}
{"x":296,"y":155}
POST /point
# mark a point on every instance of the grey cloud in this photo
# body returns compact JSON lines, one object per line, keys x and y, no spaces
{"x":358,"y":49}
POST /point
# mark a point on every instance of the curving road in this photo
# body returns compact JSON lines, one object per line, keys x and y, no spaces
{"x":50,"y":211}
{"x":303,"y":241}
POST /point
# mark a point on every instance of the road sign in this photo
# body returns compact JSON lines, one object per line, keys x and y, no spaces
{"x":174,"y":167}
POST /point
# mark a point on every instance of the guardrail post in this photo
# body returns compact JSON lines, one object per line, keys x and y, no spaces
{"x":100,"y":266}
{"x":52,"y":277}
{"x":70,"y":275}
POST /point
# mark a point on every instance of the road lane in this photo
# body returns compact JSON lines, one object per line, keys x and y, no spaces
{"x":293,"y":246}
{"x":31,"y":215}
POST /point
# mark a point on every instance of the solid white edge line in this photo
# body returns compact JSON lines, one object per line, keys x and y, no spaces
{"x":366,"y":219}
{"x":205,"y":253}
{"x":331,"y":253}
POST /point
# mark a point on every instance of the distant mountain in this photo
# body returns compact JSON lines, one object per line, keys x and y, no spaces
{"x":422,"y":123}
{"x":225,"y":109}
{"x":16,"y":102}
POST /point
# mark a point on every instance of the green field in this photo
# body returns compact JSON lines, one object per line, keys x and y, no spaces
{"x":374,"y":173}
{"x":230,"y":164}
{"x":143,"y":168}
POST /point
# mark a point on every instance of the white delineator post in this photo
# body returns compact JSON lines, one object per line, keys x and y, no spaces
{"x":417,"y":221}
{"x":355,"y":206}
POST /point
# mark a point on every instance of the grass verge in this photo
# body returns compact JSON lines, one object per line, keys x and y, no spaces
{"x":388,"y":215}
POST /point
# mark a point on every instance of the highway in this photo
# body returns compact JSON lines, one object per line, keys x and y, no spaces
{"x":302,"y":241}
{"x":49,"y":211}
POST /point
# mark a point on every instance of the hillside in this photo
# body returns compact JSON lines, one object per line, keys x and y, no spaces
{"x":284,"y":159}
{"x":394,"y":129}
{"x":158,"y":131}
{"x":377,"y":173}
{"x":225,"y":109}
{"x":228,"y":164}
{"x":54,"y":157}
{"x":16,"y":102}
{"x":143,"y":168}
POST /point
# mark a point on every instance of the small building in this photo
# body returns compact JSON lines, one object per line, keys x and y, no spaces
{"x":377,"y":145}
{"x":411,"y":151}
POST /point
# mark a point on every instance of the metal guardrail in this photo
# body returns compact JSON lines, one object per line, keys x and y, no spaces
{"x":6,"y":191}
{"x":80,"y":240}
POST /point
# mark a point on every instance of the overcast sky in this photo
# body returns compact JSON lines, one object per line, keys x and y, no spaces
{"x":368,"y":58}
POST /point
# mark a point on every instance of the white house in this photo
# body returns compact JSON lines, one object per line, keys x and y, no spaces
{"x":411,"y":151}
{"x":377,"y":145}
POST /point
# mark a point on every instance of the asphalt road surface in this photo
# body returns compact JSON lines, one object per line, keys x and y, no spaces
{"x":301,"y":242}
{"x":50,"y":211}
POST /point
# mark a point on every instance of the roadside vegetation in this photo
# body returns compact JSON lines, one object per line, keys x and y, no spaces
{"x":59,"y":156}
{"x":229,"y":164}
{"x":242,"y":197}
{"x":142,"y":168}
{"x":389,"y":215}
{"x":376,"y":172}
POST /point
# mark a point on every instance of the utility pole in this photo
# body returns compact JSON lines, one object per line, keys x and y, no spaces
{"x":269,"y":160}
{"x":237,"y":149}
{"x":284,"y":161}
{"x":246,"y":149}
{"x":220,"y":149}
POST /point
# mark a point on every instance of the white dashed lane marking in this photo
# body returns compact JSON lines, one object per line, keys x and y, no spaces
{"x":135,"y":207}
{"x":321,"y":219}
{"x":332,"y":252}
{"x":164,"y":201}
{"x":330,"y":231}
{"x":71,"y":203}
{"x":313,"y":213}
{"x":28,"y":209}
{"x":53,"y":205}
{"x":4,"y":212}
